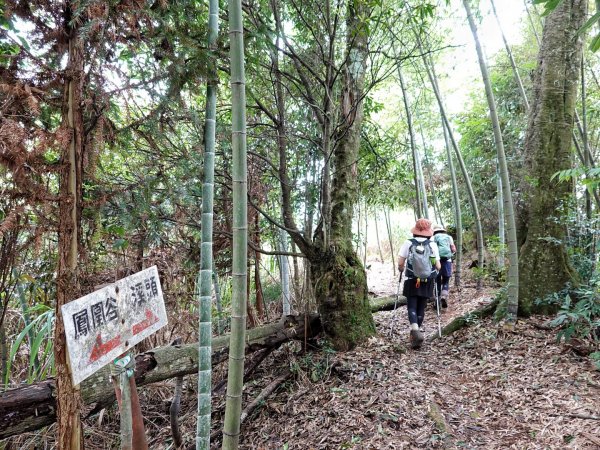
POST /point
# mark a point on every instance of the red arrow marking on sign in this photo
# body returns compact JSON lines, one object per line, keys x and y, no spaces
{"x":150,"y":319}
{"x":101,"y":349}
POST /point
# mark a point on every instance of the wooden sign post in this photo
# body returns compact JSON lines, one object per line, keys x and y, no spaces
{"x":102,"y":326}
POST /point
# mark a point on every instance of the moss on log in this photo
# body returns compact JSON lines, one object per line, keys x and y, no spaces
{"x":386,"y":303}
{"x":464,"y":321}
{"x":31,"y":407}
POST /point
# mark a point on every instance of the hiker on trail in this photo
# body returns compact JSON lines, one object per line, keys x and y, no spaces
{"x":421,"y":258}
{"x":446,"y":248}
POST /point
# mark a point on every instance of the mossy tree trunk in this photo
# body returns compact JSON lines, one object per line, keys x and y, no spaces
{"x":340,"y":284}
{"x":339,"y":278}
{"x":337,"y":275}
{"x":544,"y":263}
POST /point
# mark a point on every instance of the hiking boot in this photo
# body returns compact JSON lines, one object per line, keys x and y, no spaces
{"x":416,"y":339}
{"x":444,"y":298}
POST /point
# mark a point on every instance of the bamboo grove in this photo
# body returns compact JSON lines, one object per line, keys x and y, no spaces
{"x":245,"y":149}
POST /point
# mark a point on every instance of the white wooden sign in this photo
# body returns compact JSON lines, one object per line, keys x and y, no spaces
{"x":106,"y":323}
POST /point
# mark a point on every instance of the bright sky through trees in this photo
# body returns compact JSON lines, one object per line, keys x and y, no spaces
{"x":457,"y":67}
{"x":460,"y":63}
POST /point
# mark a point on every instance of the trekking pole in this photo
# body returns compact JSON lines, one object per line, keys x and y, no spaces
{"x":437,"y":302}
{"x":394,"y":316}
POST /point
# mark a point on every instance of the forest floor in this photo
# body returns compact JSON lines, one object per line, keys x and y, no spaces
{"x":479,"y":388}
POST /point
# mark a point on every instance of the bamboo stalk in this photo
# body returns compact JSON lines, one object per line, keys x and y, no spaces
{"x":457,"y":210}
{"x":511,"y":229}
{"x":413,"y":144}
{"x":204,"y":282}
{"x":386,"y":214}
{"x":436,"y":208}
{"x":377,"y":236}
{"x":126,"y":419}
{"x":472,"y":199}
{"x":501,"y":231}
{"x":233,"y":406}
{"x":284,"y":271}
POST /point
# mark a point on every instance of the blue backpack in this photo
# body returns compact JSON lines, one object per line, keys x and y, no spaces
{"x":443,"y":242}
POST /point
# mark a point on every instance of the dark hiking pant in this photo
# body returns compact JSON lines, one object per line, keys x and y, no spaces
{"x":416,"y":309}
{"x":443,"y":278}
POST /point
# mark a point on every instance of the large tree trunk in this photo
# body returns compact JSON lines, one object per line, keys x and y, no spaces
{"x":544,"y":263}
{"x":338,"y":276}
{"x":68,"y":399}
{"x":340,"y":285}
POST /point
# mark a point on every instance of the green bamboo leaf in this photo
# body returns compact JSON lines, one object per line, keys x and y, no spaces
{"x":42,"y":334}
{"x":121,"y":244}
{"x":24,"y":43}
{"x":590,"y":22}
{"x":15,"y":348}
{"x":595,"y":44}
{"x":48,"y":368}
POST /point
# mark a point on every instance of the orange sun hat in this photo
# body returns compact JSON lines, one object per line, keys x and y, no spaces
{"x":422,"y":228}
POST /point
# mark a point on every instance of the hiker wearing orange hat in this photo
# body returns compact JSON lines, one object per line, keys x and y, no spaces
{"x":420,"y":256}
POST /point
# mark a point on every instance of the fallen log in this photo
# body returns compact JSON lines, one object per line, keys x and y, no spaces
{"x":31,"y":407}
{"x":464,"y":321}
{"x":386,"y":303}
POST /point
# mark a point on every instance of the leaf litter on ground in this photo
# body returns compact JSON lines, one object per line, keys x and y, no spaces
{"x":480,"y":388}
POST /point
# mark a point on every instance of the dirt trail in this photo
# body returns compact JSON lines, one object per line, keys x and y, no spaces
{"x":479,"y":388}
